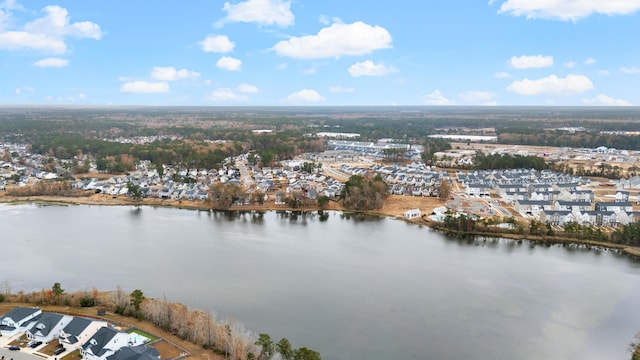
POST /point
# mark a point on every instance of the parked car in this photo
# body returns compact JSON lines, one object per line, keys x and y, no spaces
{"x":35,"y":344}
{"x":14,"y":347}
{"x":59,"y":351}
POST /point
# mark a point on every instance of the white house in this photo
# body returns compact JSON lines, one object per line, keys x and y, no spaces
{"x":15,"y":320}
{"x":622,"y":196}
{"x":412,"y":214}
{"x":78,"y":331}
{"x":48,"y":327}
{"x":532,"y":207}
{"x":556,"y":217}
{"x":614,"y":206}
{"x":105,"y":342}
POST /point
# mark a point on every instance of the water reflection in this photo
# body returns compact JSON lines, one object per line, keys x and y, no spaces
{"x":353,"y":286}
{"x":509,"y":245}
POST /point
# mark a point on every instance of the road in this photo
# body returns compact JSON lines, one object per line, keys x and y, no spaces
{"x":338,"y":175}
{"x":244,"y":174}
{"x":17,"y":355}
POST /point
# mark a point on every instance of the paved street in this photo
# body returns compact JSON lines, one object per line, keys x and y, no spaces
{"x":16,"y":355}
{"x":244,"y":174}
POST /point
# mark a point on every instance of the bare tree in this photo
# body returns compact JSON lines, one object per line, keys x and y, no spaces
{"x":6,"y":287}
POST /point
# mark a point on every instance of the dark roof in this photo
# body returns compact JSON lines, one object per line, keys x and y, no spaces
{"x":140,"y":352}
{"x":557,"y":212}
{"x":574,"y":203}
{"x":99,"y":340}
{"x":46,"y":323}
{"x":609,"y":204}
{"x":534,"y":202}
{"x":18,"y":314}
{"x":76,"y":326}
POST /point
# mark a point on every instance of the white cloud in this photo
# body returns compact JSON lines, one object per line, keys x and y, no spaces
{"x":47,"y":33}
{"x":630,"y":70}
{"x":570,"y":64}
{"x":568,"y":10}
{"x":477,"y":96}
{"x":304,"y":96}
{"x":282,"y":66}
{"x":19,"y":40}
{"x":248,"y":89}
{"x":572,"y":84}
{"x":336,"y":40}
{"x":82,"y":96}
{"x":229,"y":63}
{"x":171,"y":74}
{"x":369,"y":68}
{"x":226,"y":94}
{"x":531,"y":61}
{"x":435,"y":98}
{"x":605,"y":100}
{"x":310,"y":71}
{"x":217,"y":44}
{"x":590,"y":61}
{"x":56,"y":23}
{"x":24,"y":89}
{"x":145,"y":87}
{"x":51,"y":62}
{"x":340,"y":89}
{"x":604,"y":72}
{"x":263,"y":12}
{"x":490,"y":103}
{"x":502,"y":75}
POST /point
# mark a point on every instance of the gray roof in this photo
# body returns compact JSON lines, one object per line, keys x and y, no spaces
{"x":140,"y":352}
{"x":46,"y":322}
{"x":18,"y":314}
{"x":557,"y":212}
{"x":99,"y":340}
{"x":76,"y":326}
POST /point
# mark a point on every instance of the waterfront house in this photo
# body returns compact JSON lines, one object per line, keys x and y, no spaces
{"x":412,"y":214}
{"x":47,"y":327}
{"x":17,"y":319}
{"x":104,"y":343}
{"x":532,"y":207}
{"x":556,"y":217}
{"x":78,"y":331}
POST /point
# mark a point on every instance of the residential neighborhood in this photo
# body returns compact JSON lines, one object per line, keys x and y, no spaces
{"x":546,"y":196}
{"x":49,"y":335}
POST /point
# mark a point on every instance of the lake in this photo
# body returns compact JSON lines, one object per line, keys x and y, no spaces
{"x":349,"y":287}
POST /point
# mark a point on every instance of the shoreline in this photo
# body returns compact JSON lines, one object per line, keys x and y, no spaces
{"x":106,"y":200}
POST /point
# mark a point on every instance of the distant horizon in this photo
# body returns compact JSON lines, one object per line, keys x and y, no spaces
{"x":311,"y":106}
{"x":319,"y":53}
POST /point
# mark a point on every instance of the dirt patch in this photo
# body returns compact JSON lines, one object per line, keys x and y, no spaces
{"x":50,"y":348}
{"x":166,"y":350}
{"x":396,"y":205}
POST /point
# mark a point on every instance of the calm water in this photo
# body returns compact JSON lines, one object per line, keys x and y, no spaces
{"x":352,"y":289}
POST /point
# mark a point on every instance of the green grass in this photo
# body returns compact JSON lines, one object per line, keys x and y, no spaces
{"x":147,"y":335}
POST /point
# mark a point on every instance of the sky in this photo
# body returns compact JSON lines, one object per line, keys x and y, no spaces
{"x":311,"y":52}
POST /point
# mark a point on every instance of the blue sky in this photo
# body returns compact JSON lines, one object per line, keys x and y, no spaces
{"x":304,"y":52}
